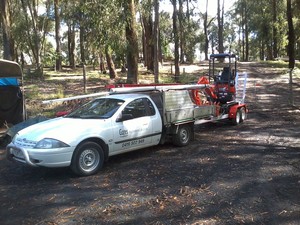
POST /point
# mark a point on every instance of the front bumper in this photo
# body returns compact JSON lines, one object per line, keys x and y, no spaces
{"x":57,"y":157}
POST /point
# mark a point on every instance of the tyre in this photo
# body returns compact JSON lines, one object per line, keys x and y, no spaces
{"x":183,"y":136}
{"x":237,"y":119}
{"x":243,"y":114}
{"x":88,"y":159}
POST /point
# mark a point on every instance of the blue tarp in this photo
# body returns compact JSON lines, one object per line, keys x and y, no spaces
{"x":9,"y":82}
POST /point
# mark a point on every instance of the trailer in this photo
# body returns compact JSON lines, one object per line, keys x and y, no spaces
{"x":183,"y":106}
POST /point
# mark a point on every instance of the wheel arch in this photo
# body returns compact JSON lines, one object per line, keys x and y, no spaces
{"x":233,"y":110}
{"x":100,"y":142}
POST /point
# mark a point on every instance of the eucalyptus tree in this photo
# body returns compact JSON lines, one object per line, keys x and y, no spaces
{"x":206,"y":24}
{"x":262,"y":23}
{"x":105,"y":31}
{"x":165,"y":34}
{"x":70,"y":16}
{"x":296,"y":13}
{"x":57,"y":13}
{"x":132,"y":41}
{"x":156,"y":41}
{"x":188,"y":30}
{"x":149,"y":17}
{"x":6,"y":25}
{"x":291,"y":35}
{"x":220,"y":19}
{"x":147,"y":23}
{"x":176,"y":39}
{"x":36,"y":26}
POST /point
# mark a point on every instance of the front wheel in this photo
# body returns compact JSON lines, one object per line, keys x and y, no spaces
{"x":183,"y":136}
{"x":88,"y":159}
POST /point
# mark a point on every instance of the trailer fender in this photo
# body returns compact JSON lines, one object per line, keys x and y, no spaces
{"x":233,"y":110}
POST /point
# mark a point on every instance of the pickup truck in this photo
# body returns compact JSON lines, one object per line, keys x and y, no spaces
{"x":117,"y":123}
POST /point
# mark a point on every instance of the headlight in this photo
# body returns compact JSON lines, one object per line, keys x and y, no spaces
{"x":48,"y":143}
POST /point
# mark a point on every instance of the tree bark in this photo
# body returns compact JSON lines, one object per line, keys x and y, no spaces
{"x":148,"y":41}
{"x":206,"y":24}
{"x":291,"y":35}
{"x":8,"y":41}
{"x":156,"y":42}
{"x":101,"y":63}
{"x":176,"y":41}
{"x":181,"y":32}
{"x":246,"y":33}
{"x":110,"y":63}
{"x":36,"y":44}
{"x":275,"y":41}
{"x":82,"y":35}
{"x":58,"y":64}
{"x":132,"y":42}
{"x":220,"y":27}
{"x":71,"y":45}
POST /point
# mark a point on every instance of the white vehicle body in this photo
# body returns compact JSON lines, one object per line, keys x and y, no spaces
{"x":116,"y":136}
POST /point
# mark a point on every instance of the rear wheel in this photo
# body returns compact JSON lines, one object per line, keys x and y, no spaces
{"x":243,"y":114}
{"x":183,"y":136}
{"x":88,"y":159}
{"x":238,"y":118}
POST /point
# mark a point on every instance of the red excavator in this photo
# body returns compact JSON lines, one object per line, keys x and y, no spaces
{"x":223,"y":72}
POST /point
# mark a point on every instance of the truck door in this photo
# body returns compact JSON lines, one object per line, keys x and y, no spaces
{"x":135,"y":130}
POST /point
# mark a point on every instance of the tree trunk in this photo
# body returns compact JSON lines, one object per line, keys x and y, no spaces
{"x":132,"y":41}
{"x":155,"y":41}
{"x":246,"y":32}
{"x":82,"y":35}
{"x":57,"y":36}
{"x":71,"y":45}
{"x":275,"y":42}
{"x":176,"y":41}
{"x":220,"y":27}
{"x":81,"y":44}
{"x":206,"y":44}
{"x":8,"y":41}
{"x":148,"y":41}
{"x":291,"y":35}
{"x":181,"y":32}
{"x":31,"y":8}
{"x":243,"y":33}
{"x":110,"y":63}
{"x":101,"y":64}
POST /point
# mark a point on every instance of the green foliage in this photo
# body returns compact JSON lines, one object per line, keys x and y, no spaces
{"x":104,"y":26}
{"x":266,"y":24}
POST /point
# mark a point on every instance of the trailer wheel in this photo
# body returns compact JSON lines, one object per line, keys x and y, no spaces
{"x":243,"y":114}
{"x":183,"y":136}
{"x":87,"y":159}
{"x":237,"y":119}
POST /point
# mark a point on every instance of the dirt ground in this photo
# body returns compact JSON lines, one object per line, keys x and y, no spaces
{"x":245,"y":174}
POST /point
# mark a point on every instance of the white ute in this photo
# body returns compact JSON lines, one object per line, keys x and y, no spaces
{"x":117,"y":123}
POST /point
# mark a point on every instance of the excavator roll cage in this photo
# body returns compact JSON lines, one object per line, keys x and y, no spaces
{"x":223,"y":70}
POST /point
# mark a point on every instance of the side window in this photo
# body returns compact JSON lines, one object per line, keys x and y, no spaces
{"x":151,"y":107}
{"x":136,"y":108}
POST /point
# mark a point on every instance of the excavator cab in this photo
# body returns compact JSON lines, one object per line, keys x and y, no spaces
{"x":222,"y":69}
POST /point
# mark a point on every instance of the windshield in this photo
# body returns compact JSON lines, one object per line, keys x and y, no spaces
{"x":98,"y":109}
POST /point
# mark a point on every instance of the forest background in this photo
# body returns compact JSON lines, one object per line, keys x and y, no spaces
{"x":122,"y":33}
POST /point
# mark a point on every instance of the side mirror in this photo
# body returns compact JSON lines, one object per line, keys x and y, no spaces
{"x":124,"y":117}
